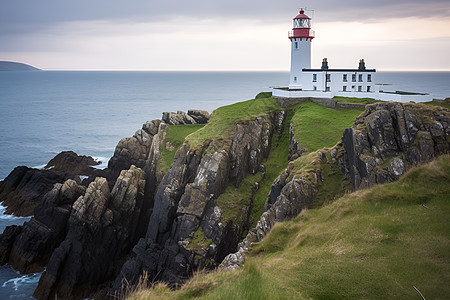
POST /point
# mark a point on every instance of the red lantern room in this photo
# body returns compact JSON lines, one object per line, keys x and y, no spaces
{"x":302,"y":27}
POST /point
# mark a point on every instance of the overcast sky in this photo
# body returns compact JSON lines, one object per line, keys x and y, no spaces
{"x":222,"y":34}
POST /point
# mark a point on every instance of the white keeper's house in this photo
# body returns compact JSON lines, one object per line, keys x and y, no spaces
{"x":326,"y":82}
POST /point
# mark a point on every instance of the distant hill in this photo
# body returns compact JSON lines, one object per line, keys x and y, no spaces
{"x":15,"y":66}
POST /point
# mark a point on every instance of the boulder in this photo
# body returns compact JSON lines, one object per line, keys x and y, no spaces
{"x":70,"y":162}
{"x":177,"y":118}
{"x":199,"y":116}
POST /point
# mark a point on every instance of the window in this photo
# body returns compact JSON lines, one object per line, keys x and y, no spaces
{"x":344,"y":77}
{"x":369,"y":77}
{"x":295,"y":79}
{"x":353,"y":77}
{"x":359,"y":88}
{"x":314,"y":77}
{"x":328,"y":77}
{"x":296,"y":45}
{"x":353,"y":87}
{"x":368,"y":88}
{"x":360,"y":78}
{"x":315,"y":88}
{"x":327,"y":89}
{"x":344,"y":88}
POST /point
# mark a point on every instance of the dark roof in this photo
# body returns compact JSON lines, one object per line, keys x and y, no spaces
{"x":338,"y":70}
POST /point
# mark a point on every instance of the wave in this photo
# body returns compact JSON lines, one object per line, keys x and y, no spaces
{"x":39,"y":167}
{"x":5,"y":217}
{"x":26,"y":279}
{"x":102,"y":160}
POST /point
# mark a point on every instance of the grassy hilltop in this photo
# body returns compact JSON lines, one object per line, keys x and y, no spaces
{"x":390,"y":241}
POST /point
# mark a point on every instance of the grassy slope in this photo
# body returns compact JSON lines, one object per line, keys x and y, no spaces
{"x":355,"y":100}
{"x":373,"y":244}
{"x":317,"y":126}
{"x":224,"y":119}
{"x":174,"y":139}
{"x":437,"y":103}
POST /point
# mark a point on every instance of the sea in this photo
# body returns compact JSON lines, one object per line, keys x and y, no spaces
{"x":45,"y":112}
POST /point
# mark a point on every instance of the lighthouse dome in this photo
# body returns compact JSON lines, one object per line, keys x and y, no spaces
{"x":302,"y":15}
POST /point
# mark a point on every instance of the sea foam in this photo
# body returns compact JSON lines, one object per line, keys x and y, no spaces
{"x":26,"y":279}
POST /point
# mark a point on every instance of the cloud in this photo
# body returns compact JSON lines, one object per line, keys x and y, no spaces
{"x":233,"y":34}
{"x":56,"y":11}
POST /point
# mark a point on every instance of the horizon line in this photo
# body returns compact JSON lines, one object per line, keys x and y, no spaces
{"x":228,"y":70}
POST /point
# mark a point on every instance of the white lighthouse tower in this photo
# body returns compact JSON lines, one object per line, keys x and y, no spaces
{"x":301,"y":37}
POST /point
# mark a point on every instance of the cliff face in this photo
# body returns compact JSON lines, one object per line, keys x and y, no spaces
{"x":387,"y":139}
{"x":133,"y":217}
{"x":187,"y":229}
{"x":384,"y":142}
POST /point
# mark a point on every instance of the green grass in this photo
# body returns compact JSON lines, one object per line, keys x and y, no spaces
{"x":174,"y":139}
{"x":355,"y":100}
{"x":275,"y":163}
{"x":263,"y":95}
{"x":372,"y":244}
{"x":234,"y":200}
{"x":317,"y":126}
{"x":223,"y":120}
{"x":437,"y":103}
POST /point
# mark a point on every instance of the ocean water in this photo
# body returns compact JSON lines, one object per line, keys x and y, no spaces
{"x":44,"y":113}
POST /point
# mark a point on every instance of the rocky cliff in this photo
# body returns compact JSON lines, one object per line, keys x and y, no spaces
{"x":187,"y":230}
{"x":384,"y":142}
{"x":168,"y":223}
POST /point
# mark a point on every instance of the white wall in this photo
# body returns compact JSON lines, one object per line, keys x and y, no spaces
{"x":337,"y":83}
{"x":300,"y":59}
{"x":374,"y":95}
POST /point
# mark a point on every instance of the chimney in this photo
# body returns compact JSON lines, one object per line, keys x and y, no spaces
{"x":324,"y":64}
{"x":362,"y":64}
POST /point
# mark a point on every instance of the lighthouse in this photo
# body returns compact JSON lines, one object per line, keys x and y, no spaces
{"x":325,"y":83}
{"x":301,"y":37}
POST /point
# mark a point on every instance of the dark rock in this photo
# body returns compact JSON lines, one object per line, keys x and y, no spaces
{"x":134,"y":150}
{"x":24,"y":188}
{"x":32,"y":248}
{"x":251,"y":143}
{"x":101,"y":231}
{"x":185,"y":231}
{"x":70,"y":162}
{"x":389,"y":138}
{"x":199,"y":116}
{"x":6,"y":241}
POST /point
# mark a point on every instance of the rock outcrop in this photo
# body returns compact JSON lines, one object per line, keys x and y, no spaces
{"x":30,"y":250}
{"x":199,"y":116}
{"x":295,"y":151}
{"x":101,"y":231}
{"x":389,"y":138}
{"x":134,"y":150}
{"x":181,"y":118}
{"x":187,"y":229}
{"x":70,"y":162}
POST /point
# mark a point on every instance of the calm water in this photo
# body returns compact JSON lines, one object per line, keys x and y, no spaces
{"x":44,"y":113}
